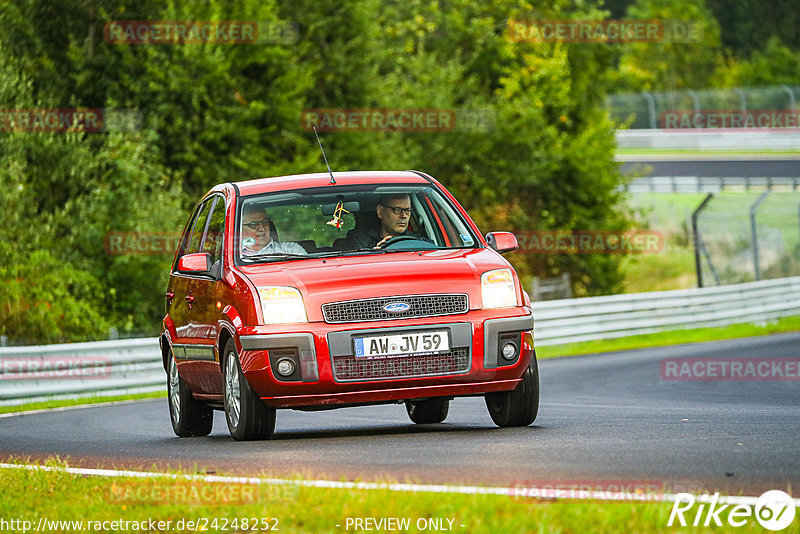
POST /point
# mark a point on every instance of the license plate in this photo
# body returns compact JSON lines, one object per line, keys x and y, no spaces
{"x":418,"y":343}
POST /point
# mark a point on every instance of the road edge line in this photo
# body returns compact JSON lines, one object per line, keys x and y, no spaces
{"x":399,"y":487}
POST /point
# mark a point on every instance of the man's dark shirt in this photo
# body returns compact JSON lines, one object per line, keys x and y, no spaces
{"x":359,"y":238}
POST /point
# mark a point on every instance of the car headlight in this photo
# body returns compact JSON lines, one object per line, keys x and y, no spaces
{"x":497,"y":289}
{"x":281,"y":304}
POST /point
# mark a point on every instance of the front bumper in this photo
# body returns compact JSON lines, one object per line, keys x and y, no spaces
{"x":328,"y":372}
{"x":390,"y":395}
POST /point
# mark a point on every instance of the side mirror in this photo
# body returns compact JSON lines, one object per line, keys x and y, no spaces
{"x":198,"y":263}
{"x":502,"y":241}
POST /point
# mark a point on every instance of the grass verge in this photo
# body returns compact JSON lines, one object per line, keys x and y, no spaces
{"x":61,"y":403}
{"x":96,"y":501}
{"x":674,"y":337}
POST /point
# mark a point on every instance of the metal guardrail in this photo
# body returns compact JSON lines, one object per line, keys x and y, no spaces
{"x":129,"y":365}
{"x":708,"y":184}
{"x":573,"y":320}
{"x":710,"y":139}
{"x":118,"y":367}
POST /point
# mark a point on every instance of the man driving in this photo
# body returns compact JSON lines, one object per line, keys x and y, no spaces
{"x":257,"y":238}
{"x":394,"y":212}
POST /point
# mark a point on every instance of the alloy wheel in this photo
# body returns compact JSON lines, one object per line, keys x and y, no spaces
{"x":174,"y":390}
{"x":232,"y":389}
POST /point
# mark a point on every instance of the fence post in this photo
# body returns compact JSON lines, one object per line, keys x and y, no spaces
{"x":792,"y":106}
{"x":695,"y":100}
{"x":696,"y":238}
{"x":742,"y":99}
{"x":754,"y":233}
{"x":651,"y":109}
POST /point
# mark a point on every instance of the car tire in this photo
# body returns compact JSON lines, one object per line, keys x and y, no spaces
{"x":189,"y":417}
{"x":248,"y":418}
{"x":519,"y":406}
{"x":428,"y":411}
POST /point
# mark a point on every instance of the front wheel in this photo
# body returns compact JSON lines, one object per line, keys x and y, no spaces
{"x":519,"y":406}
{"x":248,"y":418}
{"x":189,"y":417}
{"x":428,"y":411}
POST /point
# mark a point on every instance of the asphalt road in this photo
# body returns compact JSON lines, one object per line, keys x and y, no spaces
{"x":687,"y":165}
{"x":602,"y":418}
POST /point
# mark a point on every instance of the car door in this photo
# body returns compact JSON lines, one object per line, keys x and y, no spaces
{"x":187,"y":293}
{"x":207,"y":312}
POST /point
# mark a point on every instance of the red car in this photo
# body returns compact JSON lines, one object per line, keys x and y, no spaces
{"x":321,"y":291}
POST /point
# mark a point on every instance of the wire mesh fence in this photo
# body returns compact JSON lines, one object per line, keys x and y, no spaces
{"x":652,"y":109}
{"x":742,"y":237}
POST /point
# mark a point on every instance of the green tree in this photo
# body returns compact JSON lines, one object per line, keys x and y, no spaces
{"x":747,"y":25}
{"x":62,"y":193}
{"x":42,"y":298}
{"x":547,"y":160}
{"x":776,"y":64}
{"x":221,"y":112}
{"x":666,"y":66}
{"x":213,"y":113}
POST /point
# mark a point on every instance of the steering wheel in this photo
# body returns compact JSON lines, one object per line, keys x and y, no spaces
{"x":398,"y":239}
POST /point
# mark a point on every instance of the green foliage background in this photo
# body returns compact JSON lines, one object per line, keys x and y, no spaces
{"x":214,"y":113}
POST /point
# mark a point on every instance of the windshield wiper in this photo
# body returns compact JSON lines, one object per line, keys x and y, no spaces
{"x":351,"y":252}
{"x":275,"y":257}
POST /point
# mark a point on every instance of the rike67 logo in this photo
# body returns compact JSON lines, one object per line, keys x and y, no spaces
{"x":774,"y":510}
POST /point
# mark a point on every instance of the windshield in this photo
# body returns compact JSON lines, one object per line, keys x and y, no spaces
{"x":347,"y":220}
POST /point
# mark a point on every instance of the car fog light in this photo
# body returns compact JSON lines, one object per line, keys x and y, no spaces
{"x":509,"y":351}
{"x":285,"y":367}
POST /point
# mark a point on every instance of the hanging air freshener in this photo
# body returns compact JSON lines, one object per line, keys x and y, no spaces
{"x":336,"y":222}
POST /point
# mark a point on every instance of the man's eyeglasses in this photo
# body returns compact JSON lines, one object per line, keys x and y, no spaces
{"x":397,"y":210}
{"x":255,"y":224}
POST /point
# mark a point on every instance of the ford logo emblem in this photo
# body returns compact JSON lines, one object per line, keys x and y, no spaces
{"x":397,"y":307}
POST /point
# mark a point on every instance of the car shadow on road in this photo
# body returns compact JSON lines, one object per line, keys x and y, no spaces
{"x":451,"y":430}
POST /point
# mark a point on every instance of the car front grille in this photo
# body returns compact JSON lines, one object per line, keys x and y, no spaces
{"x":373,"y":309}
{"x":349,"y":368}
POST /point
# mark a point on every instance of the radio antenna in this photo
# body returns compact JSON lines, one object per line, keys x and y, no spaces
{"x":333,"y":181}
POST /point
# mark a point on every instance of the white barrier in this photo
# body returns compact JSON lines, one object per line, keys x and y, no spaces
{"x":586,"y":319}
{"x":710,"y":139}
{"x":80,"y":369}
{"x":708,"y":184}
{"x":130,"y":365}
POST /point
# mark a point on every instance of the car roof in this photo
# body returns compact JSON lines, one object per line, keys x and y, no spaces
{"x":321,"y":179}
